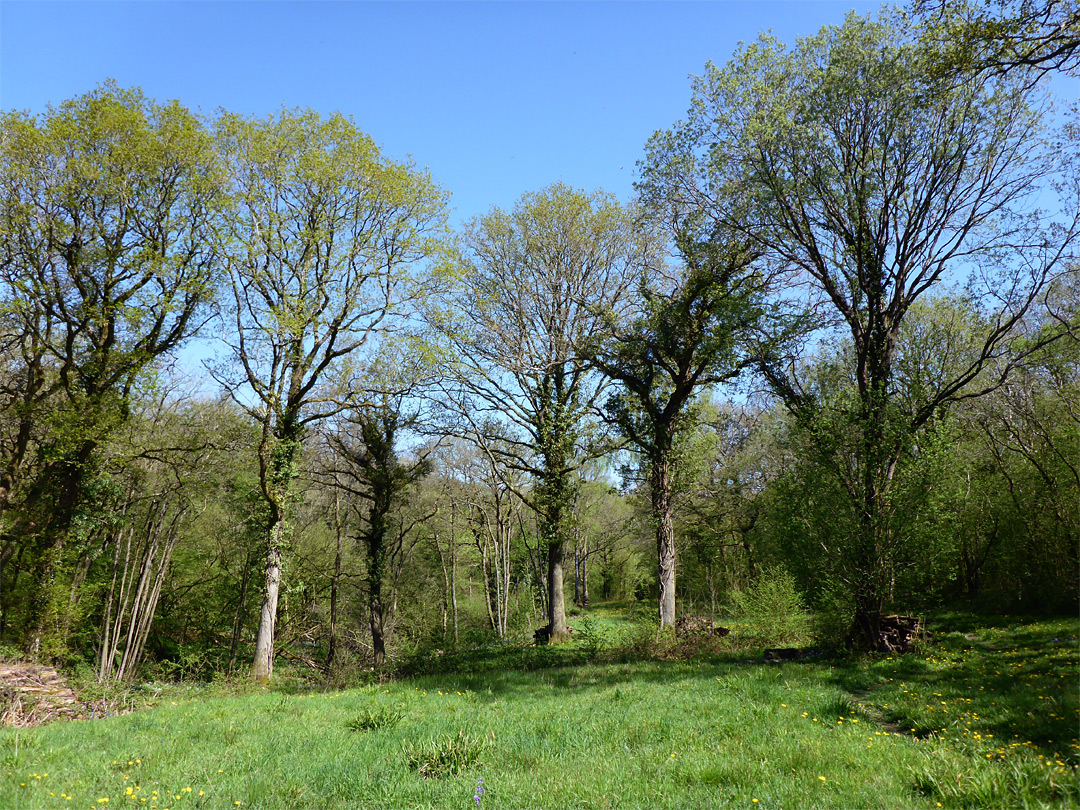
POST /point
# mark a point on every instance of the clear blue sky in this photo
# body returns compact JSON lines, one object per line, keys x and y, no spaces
{"x":496,"y":98}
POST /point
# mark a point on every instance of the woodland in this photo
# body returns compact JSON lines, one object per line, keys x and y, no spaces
{"x":261,"y":404}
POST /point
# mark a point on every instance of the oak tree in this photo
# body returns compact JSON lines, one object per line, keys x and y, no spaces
{"x":875,"y":181}
{"x":529,"y":292}
{"x":318,"y":241}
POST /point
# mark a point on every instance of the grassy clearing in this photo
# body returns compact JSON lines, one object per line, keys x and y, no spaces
{"x":541,"y":732}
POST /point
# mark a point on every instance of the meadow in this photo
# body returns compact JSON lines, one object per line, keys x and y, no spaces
{"x":984,"y":716}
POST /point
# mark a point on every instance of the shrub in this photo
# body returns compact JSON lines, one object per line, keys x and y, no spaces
{"x":592,"y":636}
{"x":772,"y":609}
{"x":834,"y":616}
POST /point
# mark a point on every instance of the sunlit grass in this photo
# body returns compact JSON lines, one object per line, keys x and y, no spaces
{"x":648,"y":734}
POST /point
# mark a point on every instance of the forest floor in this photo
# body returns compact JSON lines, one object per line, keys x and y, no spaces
{"x":987,"y":716}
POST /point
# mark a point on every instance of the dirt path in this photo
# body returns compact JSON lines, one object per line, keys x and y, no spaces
{"x":32,"y":694}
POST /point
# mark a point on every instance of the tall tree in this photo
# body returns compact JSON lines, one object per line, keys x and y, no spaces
{"x":687,"y":334}
{"x":531,"y":286}
{"x":318,"y":241}
{"x":105,"y":260}
{"x":366,"y":463}
{"x":371,"y":470}
{"x":875,"y":180}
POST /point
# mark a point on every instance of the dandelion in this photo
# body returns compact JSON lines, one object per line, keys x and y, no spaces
{"x":822,"y":778}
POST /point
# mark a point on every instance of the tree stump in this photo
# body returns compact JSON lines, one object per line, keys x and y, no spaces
{"x":898,"y":634}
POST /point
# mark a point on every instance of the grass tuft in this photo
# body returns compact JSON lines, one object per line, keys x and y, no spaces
{"x":446,"y":756}
{"x":373,"y":718}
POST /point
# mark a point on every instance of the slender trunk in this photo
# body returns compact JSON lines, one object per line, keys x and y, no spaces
{"x":453,"y":578}
{"x":585,"y":579}
{"x":577,"y":571}
{"x":507,"y":529}
{"x":665,"y":537}
{"x":446,"y":587}
{"x":334,"y":580}
{"x":481,"y":536}
{"x":142,"y":611}
{"x":241,"y":612}
{"x":378,"y":643}
{"x":107,"y":652}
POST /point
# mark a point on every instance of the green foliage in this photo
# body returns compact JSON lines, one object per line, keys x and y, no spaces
{"x":105,"y":215}
{"x":834,"y":616}
{"x":772,"y":609}
{"x":1034,"y":37}
{"x":833,"y":158}
{"x":593,"y":637}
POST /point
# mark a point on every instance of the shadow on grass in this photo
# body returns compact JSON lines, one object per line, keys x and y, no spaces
{"x":1013,"y":680}
{"x":1012,"y":683}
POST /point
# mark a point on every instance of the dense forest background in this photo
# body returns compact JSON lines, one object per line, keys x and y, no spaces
{"x":832,"y":345}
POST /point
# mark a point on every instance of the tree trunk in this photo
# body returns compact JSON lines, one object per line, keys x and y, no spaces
{"x":241,"y":612}
{"x":155,"y":566}
{"x":334,"y":582}
{"x":453,"y":578}
{"x":507,"y":530}
{"x":873,"y":551}
{"x":585,"y":580}
{"x":481,"y":536}
{"x":378,"y":642}
{"x":446,"y":587}
{"x":556,"y":602}
{"x":66,"y":478}
{"x":577,"y":571}
{"x":262,"y":668}
{"x":556,"y":499}
{"x":665,"y":539}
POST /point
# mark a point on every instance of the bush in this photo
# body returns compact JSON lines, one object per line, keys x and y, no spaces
{"x":834,"y":617}
{"x":772,"y":609}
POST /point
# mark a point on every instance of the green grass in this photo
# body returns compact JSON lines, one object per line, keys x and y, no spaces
{"x":647,"y":734}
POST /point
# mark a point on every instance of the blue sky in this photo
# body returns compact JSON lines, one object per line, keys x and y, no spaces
{"x":496,"y":98}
